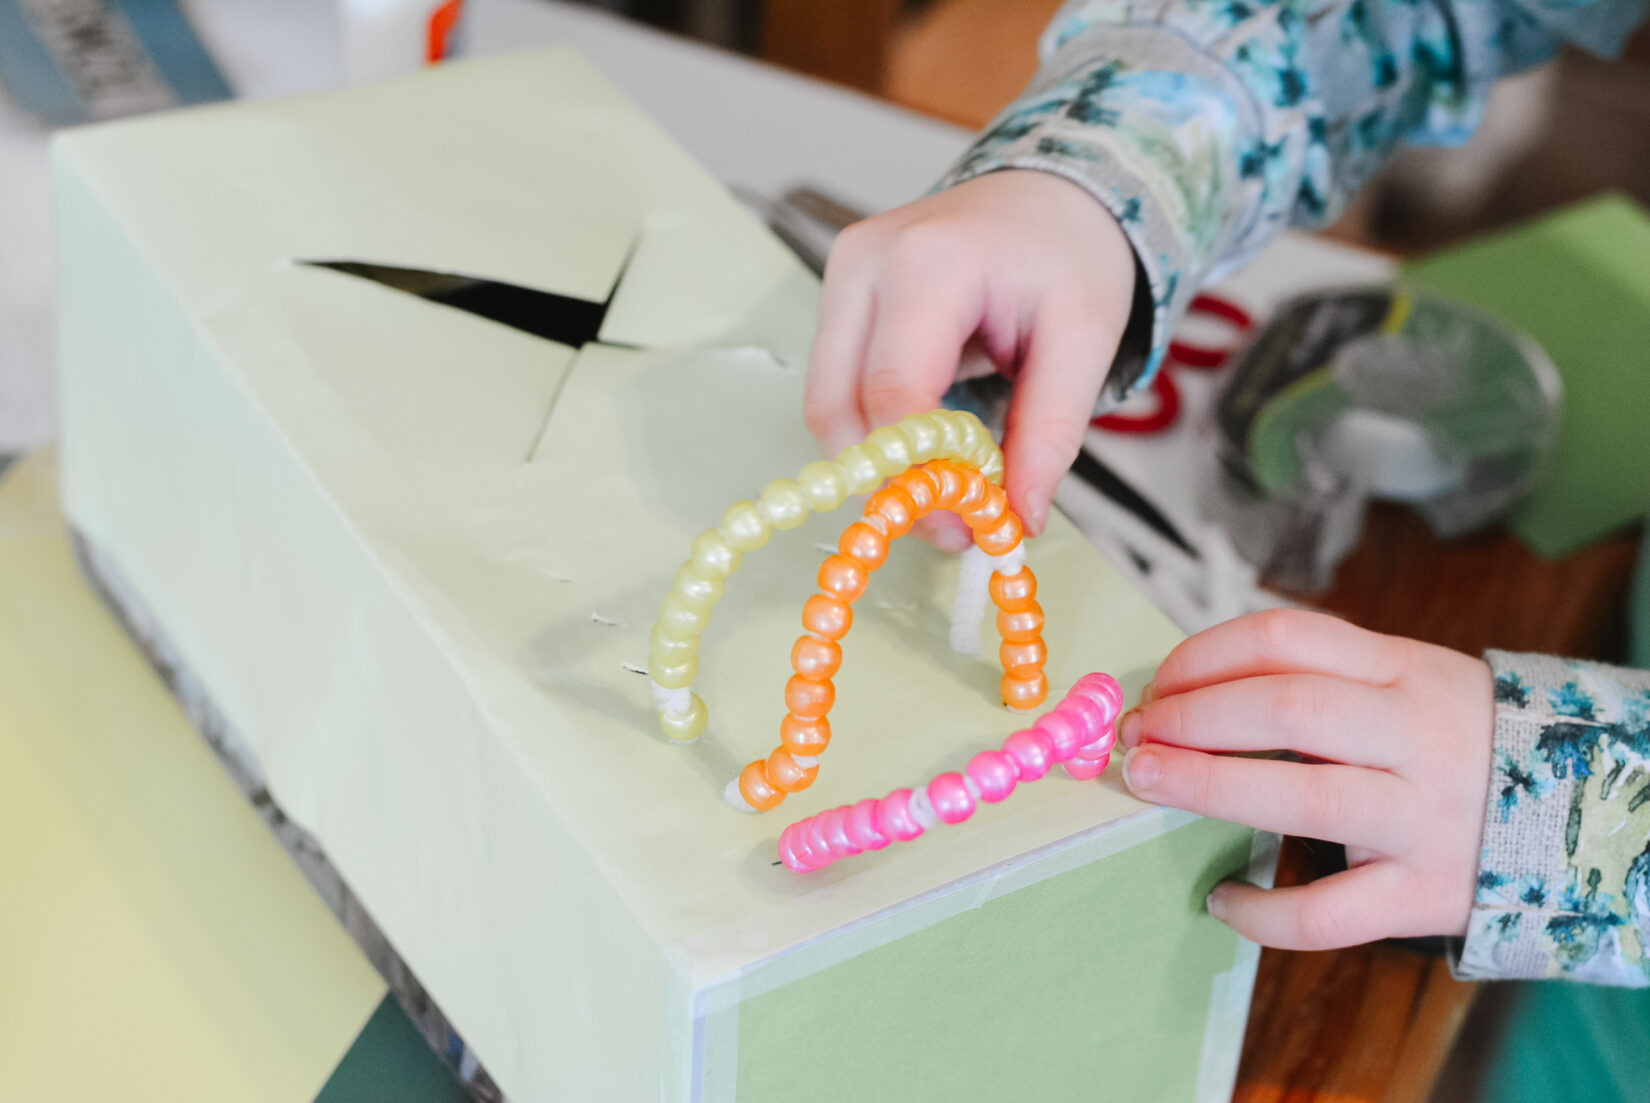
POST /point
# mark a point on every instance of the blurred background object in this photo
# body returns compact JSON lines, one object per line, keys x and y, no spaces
{"x":963,"y":60}
{"x":388,"y":38}
{"x":1376,"y":393}
{"x":70,"y":61}
{"x":1572,"y":129}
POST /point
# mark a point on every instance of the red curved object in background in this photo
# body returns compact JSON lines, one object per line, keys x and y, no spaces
{"x":1154,"y":421}
{"x":1204,"y":357}
{"x":1182,"y":354}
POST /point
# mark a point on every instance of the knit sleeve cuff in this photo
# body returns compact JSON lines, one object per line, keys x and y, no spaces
{"x":1115,"y":123}
{"x":1563,"y":884}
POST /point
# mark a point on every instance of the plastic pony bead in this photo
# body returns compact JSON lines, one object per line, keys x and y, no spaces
{"x":1079,"y":732}
{"x":958,"y":438}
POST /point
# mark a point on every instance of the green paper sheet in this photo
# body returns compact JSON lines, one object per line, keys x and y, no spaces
{"x":156,"y":943}
{"x":925,"y":1016}
{"x":1579,"y":282}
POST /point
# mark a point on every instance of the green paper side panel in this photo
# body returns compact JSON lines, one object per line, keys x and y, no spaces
{"x":1578,"y":283}
{"x":1093,"y":984}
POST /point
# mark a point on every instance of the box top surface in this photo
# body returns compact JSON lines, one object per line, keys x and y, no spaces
{"x":531,"y":501}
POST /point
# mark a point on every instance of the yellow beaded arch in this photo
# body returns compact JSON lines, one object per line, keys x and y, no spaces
{"x":783,"y":504}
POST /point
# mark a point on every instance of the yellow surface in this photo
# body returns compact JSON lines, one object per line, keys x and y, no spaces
{"x":155,"y":940}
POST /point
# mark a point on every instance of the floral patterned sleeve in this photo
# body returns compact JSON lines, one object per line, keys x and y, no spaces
{"x":1205,"y":126}
{"x":1564,"y":874}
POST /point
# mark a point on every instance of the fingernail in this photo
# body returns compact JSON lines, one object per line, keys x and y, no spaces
{"x":1149,"y":694}
{"x":948,"y":539}
{"x":1036,"y":511}
{"x":840,"y":439}
{"x":1128,"y":730}
{"x":1216,"y":903}
{"x":1141,"y":769}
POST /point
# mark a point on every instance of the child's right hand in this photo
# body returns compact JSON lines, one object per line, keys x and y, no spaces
{"x":1026,"y":265}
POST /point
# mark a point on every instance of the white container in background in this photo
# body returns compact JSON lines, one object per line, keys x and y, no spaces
{"x":390,"y":38}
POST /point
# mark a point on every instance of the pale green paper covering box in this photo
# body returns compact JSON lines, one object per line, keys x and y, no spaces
{"x":414,"y":556}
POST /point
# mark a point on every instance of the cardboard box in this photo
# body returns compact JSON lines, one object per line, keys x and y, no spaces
{"x":414,"y":555}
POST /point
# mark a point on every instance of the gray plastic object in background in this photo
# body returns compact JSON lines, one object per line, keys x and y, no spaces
{"x":1376,"y":393}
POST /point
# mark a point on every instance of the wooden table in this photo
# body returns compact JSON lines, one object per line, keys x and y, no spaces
{"x":1375,"y":1023}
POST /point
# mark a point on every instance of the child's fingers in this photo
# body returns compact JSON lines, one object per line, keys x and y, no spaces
{"x":945,"y":531}
{"x":1311,"y":714}
{"x":916,"y":340}
{"x":1070,"y":351}
{"x":831,"y":401}
{"x":1281,"y":641}
{"x":1343,"y":804}
{"x":1345,"y":909}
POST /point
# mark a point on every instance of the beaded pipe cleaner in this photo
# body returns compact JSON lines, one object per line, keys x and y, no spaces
{"x":963,"y":481}
{"x":1079,"y":732}
{"x":784,"y":504}
{"x":889,"y":514}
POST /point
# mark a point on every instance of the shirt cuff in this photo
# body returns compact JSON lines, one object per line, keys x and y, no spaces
{"x":1162,"y":293}
{"x":1114,"y":125}
{"x":1563,"y":885}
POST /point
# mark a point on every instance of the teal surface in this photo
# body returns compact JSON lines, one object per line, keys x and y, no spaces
{"x":164,"y":30}
{"x":391,"y":1063}
{"x":55,"y":58}
{"x":29,"y":75}
{"x":1573,"y":1042}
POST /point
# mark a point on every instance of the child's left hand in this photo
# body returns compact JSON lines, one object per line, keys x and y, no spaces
{"x":1397,"y":734}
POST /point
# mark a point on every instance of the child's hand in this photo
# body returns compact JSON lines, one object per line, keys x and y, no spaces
{"x":1026,"y":265}
{"x":1399,"y":734}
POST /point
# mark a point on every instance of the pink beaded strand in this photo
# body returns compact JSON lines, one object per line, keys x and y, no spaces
{"x":1079,"y":733}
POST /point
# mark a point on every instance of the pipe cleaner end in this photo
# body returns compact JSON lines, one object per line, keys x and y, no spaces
{"x":735,"y":799}
{"x":685,"y":727}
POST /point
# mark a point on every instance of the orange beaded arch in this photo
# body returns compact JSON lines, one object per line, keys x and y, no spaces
{"x":817,"y":655}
